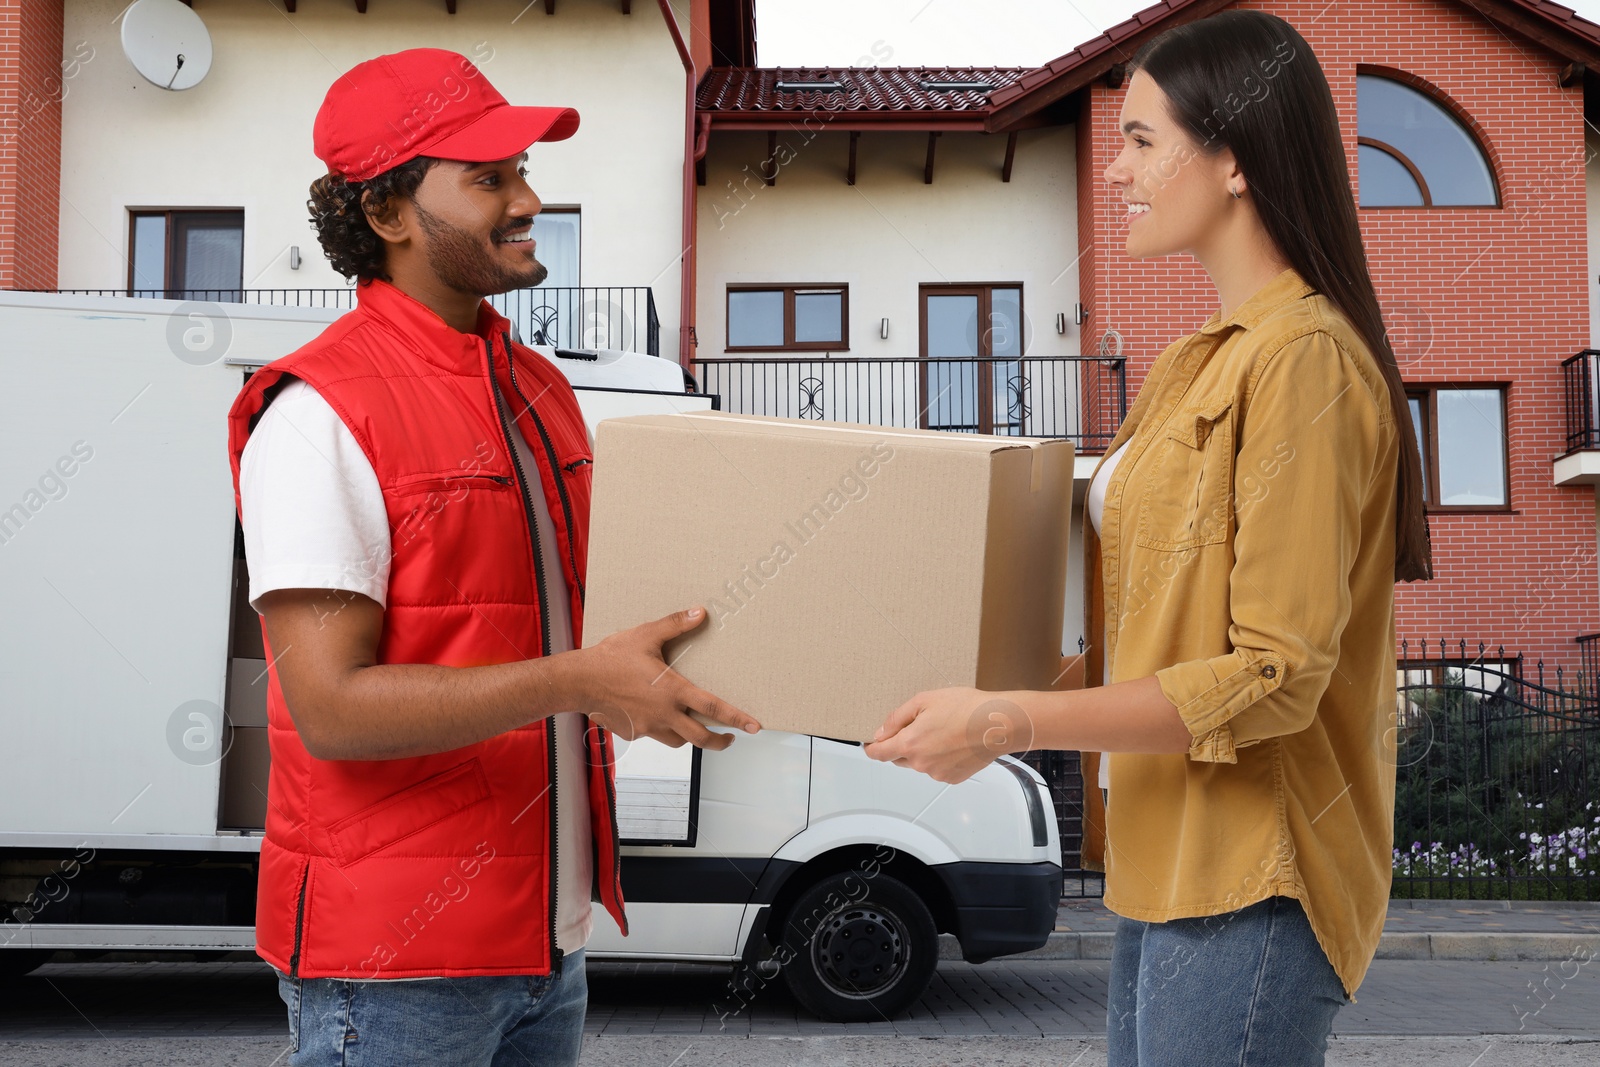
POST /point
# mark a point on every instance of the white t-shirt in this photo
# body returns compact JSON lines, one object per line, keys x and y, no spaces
{"x":314,"y":518}
{"x":1096,"y":504}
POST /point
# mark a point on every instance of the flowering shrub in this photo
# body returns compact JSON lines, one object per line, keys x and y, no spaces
{"x":1573,"y":853}
{"x":1436,"y":862}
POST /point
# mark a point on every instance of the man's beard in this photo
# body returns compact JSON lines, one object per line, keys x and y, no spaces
{"x":459,"y":261}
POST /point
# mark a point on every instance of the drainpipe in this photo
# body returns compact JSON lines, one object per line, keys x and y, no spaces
{"x":686,"y":267}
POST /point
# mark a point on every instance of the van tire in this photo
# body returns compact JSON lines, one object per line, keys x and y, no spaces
{"x":856,"y":949}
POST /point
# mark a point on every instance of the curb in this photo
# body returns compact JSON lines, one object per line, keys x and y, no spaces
{"x":1393,"y":946}
{"x":1459,"y":946}
{"x":1059,"y":946}
{"x":1422,"y":904}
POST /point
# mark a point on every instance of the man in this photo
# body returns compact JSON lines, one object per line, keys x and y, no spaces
{"x":414,"y":491}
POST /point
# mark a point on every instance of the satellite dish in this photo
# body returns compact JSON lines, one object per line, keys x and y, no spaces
{"x":167,"y":43}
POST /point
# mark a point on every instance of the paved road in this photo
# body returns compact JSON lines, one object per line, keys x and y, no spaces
{"x":1457,"y":1014}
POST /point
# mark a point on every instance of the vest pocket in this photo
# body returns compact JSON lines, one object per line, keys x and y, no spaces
{"x":410,"y":811}
{"x":577,"y":474}
{"x":415,"y":501}
{"x":452,"y":485}
{"x":1187,"y":498}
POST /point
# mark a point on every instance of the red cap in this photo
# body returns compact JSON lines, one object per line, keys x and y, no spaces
{"x":425,"y":102}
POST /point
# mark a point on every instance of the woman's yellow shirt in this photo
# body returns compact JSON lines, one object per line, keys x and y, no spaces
{"x":1246,"y":559}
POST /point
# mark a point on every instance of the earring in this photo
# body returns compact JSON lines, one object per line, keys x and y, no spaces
{"x":1237,"y":195}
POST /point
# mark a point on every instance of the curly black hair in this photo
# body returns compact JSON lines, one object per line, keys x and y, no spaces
{"x":339,"y":211}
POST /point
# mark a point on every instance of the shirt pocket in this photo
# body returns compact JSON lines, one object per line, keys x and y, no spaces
{"x":1187,"y":498}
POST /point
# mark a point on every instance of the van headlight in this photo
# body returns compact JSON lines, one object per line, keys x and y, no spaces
{"x":1030,"y":790}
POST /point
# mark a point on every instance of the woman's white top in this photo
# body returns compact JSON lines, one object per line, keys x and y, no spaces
{"x":1097,"y":504}
{"x":1097,"y":487}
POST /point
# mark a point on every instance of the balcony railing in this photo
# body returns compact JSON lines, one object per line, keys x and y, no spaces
{"x":620,"y":317}
{"x":1589,"y":667}
{"x":1080,"y":398}
{"x":1581,"y":389}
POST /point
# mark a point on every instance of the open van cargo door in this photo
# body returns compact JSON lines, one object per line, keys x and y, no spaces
{"x":116,"y":556}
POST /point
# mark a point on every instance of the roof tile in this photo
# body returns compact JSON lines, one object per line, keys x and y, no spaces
{"x":898,"y":89}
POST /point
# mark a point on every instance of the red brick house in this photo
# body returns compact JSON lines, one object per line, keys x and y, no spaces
{"x":1484,"y":300}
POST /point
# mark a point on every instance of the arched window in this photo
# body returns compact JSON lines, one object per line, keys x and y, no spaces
{"x":1411,"y":152}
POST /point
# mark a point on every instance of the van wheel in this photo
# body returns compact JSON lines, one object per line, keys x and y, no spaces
{"x":857,"y":948}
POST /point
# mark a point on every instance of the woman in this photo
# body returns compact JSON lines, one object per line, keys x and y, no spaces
{"x":1245,"y":533}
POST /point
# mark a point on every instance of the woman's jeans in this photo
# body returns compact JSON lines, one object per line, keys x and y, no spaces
{"x":1244,"y":988}
{"x":516,"y":1021}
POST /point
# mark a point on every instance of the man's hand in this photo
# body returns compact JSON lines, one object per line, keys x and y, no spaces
{"x":952,"y":734}
{"x":633,"y":692}
{"x":347,"y":706}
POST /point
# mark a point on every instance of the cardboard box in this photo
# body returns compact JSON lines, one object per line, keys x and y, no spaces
{"x":244,"y":779}
{"x":845,"y":568}
{"x":246,"y":623}
{"x":247,"y":692}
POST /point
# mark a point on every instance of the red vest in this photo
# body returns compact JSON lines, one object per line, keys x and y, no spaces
{"x":441,"y":864}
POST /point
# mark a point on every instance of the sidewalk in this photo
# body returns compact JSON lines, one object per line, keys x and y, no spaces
{"x":1415,"y":930}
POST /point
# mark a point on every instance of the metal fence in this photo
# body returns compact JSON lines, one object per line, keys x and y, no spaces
{"x":1589,"y":665}
{"x":619,"y":317}
{"x":1080,"y":398}
{"x":309,"y":298}
{"x":1497,"y":777}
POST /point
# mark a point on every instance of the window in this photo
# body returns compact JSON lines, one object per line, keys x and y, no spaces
{"x":183,"y":255}
{"x":1411,"y":152}
{"x":1440,"y":685}
{"x":810,"y":317}
{"x":556,"y":233}
{"x":972,"y":345}
{"x":1461,"y":434}
{"x":658,"y":793}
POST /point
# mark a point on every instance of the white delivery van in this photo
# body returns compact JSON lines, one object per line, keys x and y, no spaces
{"x":132,"y":688}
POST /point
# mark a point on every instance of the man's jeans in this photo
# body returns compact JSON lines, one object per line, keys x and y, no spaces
{"x":1246,"y":988}
{"x":517,"y":1021}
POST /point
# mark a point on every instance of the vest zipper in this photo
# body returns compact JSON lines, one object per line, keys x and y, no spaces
{"x":550,"y":757}
{"x":607,"y":766}
{"x":566,"y":511}
{"x":544,"y":627}
{"x":550,"y":452}
{"x":299,"y":921}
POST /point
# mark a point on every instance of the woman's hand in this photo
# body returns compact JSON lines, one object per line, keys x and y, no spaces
{"x":952,"y":734}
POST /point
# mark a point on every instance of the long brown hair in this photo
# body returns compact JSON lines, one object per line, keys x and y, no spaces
{"x":1247,"y":81}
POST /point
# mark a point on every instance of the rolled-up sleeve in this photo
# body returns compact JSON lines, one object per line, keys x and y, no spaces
{"x":1303,"y":471}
